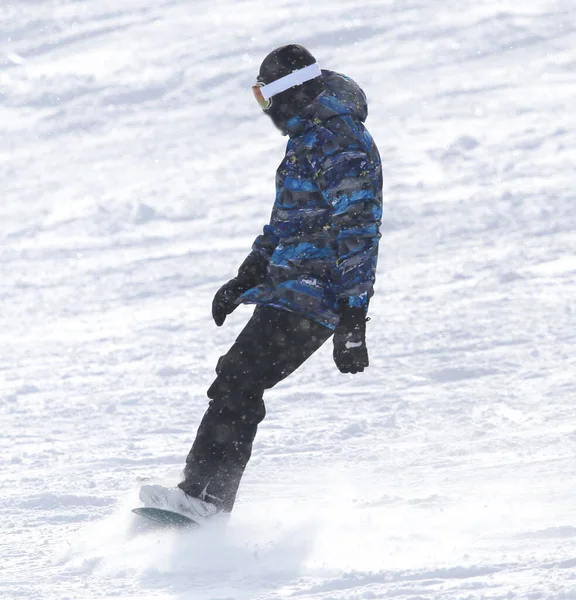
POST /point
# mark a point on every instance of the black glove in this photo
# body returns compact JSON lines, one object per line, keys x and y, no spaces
{"x":350,"y":352}
{"x":224,"y":301}
{"x":251,"y":273}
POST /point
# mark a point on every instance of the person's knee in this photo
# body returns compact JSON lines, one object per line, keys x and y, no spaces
{"x":235,"y":405}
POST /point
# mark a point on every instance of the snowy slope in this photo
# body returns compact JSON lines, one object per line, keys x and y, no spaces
{"x":135,"y":171}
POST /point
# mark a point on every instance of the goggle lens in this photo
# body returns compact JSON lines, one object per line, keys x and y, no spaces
{"x":257,"y":91}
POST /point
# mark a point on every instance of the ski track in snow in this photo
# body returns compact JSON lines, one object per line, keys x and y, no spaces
{"x":135,"y":172}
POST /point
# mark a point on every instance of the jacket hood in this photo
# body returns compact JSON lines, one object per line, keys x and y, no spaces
{"x":342,"y":96}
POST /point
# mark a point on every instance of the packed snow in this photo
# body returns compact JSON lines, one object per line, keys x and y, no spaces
{"x":136,"y":169}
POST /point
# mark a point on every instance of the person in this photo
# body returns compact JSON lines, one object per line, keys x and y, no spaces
{"x":310,"y":274}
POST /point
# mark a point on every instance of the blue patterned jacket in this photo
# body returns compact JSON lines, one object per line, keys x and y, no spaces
{"x":320,"y":247}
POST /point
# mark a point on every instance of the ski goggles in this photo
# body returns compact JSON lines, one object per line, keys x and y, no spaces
{"x":265,"y":92}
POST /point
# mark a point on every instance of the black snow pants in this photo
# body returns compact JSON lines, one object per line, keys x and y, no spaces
{"x":273,"y":345}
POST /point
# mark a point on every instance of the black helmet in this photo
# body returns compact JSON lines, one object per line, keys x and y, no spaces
{"x":278,"y":64}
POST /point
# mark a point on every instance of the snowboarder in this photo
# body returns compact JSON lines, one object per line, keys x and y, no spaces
{"x":311,"y":272}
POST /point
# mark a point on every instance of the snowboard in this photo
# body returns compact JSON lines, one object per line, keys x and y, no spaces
{"x":165,"y":518}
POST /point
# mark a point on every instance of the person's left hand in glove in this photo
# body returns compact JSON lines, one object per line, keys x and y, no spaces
{"x":350,"y":352}
{"x":251,"y":272}
{"x":224,"y":302}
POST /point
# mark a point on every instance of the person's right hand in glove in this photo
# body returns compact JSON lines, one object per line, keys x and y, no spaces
{"x":350,"y":352}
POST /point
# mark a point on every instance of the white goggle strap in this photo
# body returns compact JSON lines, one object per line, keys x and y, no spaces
{"x":285,"y":83}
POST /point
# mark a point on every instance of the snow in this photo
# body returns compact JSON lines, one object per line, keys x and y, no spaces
{"x":136,"y":169}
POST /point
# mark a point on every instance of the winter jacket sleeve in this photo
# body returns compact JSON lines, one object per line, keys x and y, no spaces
{"x":253,"y":270}
{"x":350,"y":182}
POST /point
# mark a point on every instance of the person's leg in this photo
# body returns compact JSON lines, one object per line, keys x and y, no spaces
{"x":273,"y":345}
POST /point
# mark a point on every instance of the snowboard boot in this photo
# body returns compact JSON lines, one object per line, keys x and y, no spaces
{"x":176,"y":500}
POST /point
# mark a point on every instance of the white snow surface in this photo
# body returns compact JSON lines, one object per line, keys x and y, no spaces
{"x":135,"y":171}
